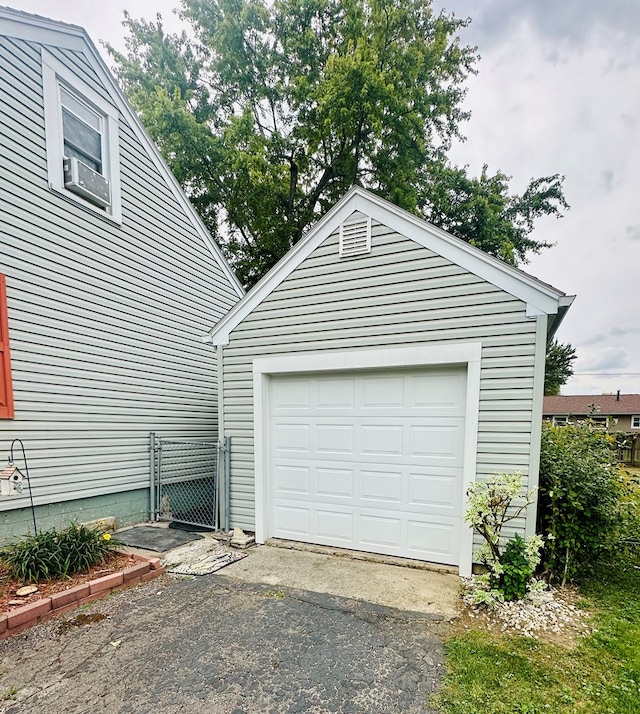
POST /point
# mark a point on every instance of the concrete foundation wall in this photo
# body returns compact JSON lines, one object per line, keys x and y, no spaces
{"x":127,"y":508}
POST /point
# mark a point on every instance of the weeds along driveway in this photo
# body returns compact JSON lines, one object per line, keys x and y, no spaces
{"x":216,"y":645}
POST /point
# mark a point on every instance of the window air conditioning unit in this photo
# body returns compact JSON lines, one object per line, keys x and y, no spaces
{"x":86,"y":182}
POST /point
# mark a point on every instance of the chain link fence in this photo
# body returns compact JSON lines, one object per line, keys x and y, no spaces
{"x":185,"y":481}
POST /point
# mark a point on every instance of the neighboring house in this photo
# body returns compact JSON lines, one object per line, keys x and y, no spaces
{"x":380,"y":368}
{"x":111,"y":283}
{"x":615,"y":412}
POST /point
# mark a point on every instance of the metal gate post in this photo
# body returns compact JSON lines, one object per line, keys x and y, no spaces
{"x":152,"y":476}
{"x":227,"y":481}
{"x":223,"y":485}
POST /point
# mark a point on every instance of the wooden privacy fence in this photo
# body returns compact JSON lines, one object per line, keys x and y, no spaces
{"x":629,"y":449}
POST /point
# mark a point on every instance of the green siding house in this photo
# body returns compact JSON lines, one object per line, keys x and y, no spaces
{"x":111,"y":283}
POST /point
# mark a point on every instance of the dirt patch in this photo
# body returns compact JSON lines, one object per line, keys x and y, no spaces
{"x":9,"y":585}
{"x":80,"y":620}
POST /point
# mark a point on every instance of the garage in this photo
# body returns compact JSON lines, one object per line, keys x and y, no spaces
{"x":370,"y":460}
{"x":380,"y":368}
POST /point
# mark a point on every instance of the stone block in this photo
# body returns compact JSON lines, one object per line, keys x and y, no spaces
{"x":68,"y":596}
{"x":152,"y":574}
{"x":108,"y":582}
{"x":106,"y":524}
{"x":154,"y":563}
{"x":135,"y":571}
{"x":28,"y":613}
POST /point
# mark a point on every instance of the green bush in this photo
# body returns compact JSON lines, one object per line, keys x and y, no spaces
{"x":516,"y":570}
{"x":57,"y":554}
{"x":579,"y":503}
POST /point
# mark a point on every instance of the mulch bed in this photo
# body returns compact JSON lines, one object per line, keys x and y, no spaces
{"x":9,"y":585}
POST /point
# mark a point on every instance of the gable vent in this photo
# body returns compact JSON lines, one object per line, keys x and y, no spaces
{"x":355,"y":237}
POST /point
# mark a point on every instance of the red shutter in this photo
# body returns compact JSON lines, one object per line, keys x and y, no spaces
{"x":6,"y":388}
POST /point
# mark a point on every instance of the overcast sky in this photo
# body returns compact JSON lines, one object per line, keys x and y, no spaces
{"x":558,"y":91}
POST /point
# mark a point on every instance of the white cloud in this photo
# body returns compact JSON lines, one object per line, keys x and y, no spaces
{"x":606,"y":360}
{"x":548,"y":101}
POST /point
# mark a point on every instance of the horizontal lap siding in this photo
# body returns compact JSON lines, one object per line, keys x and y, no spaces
{"x":400,"y":294}
{"x":106,"y":322}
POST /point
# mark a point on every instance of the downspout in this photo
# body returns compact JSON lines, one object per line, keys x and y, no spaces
{"x":223,"y":496}
{"x":220,"y":377}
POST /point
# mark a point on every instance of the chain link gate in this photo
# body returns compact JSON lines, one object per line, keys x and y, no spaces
{"x":187,"y":478}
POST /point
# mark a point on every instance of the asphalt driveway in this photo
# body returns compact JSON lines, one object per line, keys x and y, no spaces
{"x":219,"y":645}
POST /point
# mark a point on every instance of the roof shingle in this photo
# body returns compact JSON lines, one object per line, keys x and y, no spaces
{"x":580,"y":404}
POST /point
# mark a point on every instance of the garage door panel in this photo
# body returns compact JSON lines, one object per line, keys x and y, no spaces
{"x":435,"y":492}
{"x":382,"y":486}
{"x":291,"y":394}
{"x":381,"y":439}
{"x":335,"y":439}
{"x":335,"y":526}
{"x":433,"y":540}
{"x":380,"y":531}
{"x":334,"y":483}
{"x":382,"y":392}
{"x":336,"y":394}
{"x":437,"y":444}
{"x":291,"y":480}
{"x":293,"y":521}
{"x":373,"y":463}
{"x":292,"y":437}
{"x":444,"y":396}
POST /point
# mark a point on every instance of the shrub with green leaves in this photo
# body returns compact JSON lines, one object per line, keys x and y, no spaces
{"x":57,"y":553}
{"x":516,"y":570}
{"x":579,"y":504}
{"x":510,"y":564}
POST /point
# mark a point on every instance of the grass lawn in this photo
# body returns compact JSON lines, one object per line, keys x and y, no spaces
{"x":493,"y":673}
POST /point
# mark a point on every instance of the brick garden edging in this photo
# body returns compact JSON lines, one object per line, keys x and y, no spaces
{"x":11,"y":623}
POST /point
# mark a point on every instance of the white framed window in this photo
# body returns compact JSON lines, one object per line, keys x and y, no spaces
{"x":635,"y":421}
{"x":81,"y":130}
{"x":560,"y":420}
{"x":602,"y":422}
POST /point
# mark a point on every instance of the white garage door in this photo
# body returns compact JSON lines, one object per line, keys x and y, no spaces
{"x":369,"y":460}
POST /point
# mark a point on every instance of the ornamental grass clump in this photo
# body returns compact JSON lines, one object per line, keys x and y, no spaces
{"x":510,"y":564}
{"x":55,"y":554}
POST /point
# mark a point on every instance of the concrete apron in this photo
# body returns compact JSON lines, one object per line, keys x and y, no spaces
{"x":353,"y":575}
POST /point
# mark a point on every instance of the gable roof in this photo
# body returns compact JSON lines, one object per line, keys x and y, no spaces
{"x":541,"y":299}
{"x":42,"y":30}
{"x":581,"y":404}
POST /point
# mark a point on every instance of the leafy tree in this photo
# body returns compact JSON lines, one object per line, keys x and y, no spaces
{"x":558,"y":366}
{"x":274,"y":109}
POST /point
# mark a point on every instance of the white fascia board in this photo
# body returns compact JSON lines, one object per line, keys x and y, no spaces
{"x":51,"y":32}
{"x":513,"y":281}
{"x":41,"y":30}
{"x":383,"y":358}
{"x":540,"y":298}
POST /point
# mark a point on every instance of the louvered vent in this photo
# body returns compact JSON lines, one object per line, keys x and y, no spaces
{"x":355,"y":237}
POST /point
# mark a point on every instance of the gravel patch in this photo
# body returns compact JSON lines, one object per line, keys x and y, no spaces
{"x":550,"y":615}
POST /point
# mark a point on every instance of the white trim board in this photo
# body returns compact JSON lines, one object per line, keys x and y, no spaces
{"x":466,"y":354}
{"x":541,"y":299}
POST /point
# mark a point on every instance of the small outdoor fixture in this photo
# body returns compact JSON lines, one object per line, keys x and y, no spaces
{"x":11,"y":479}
